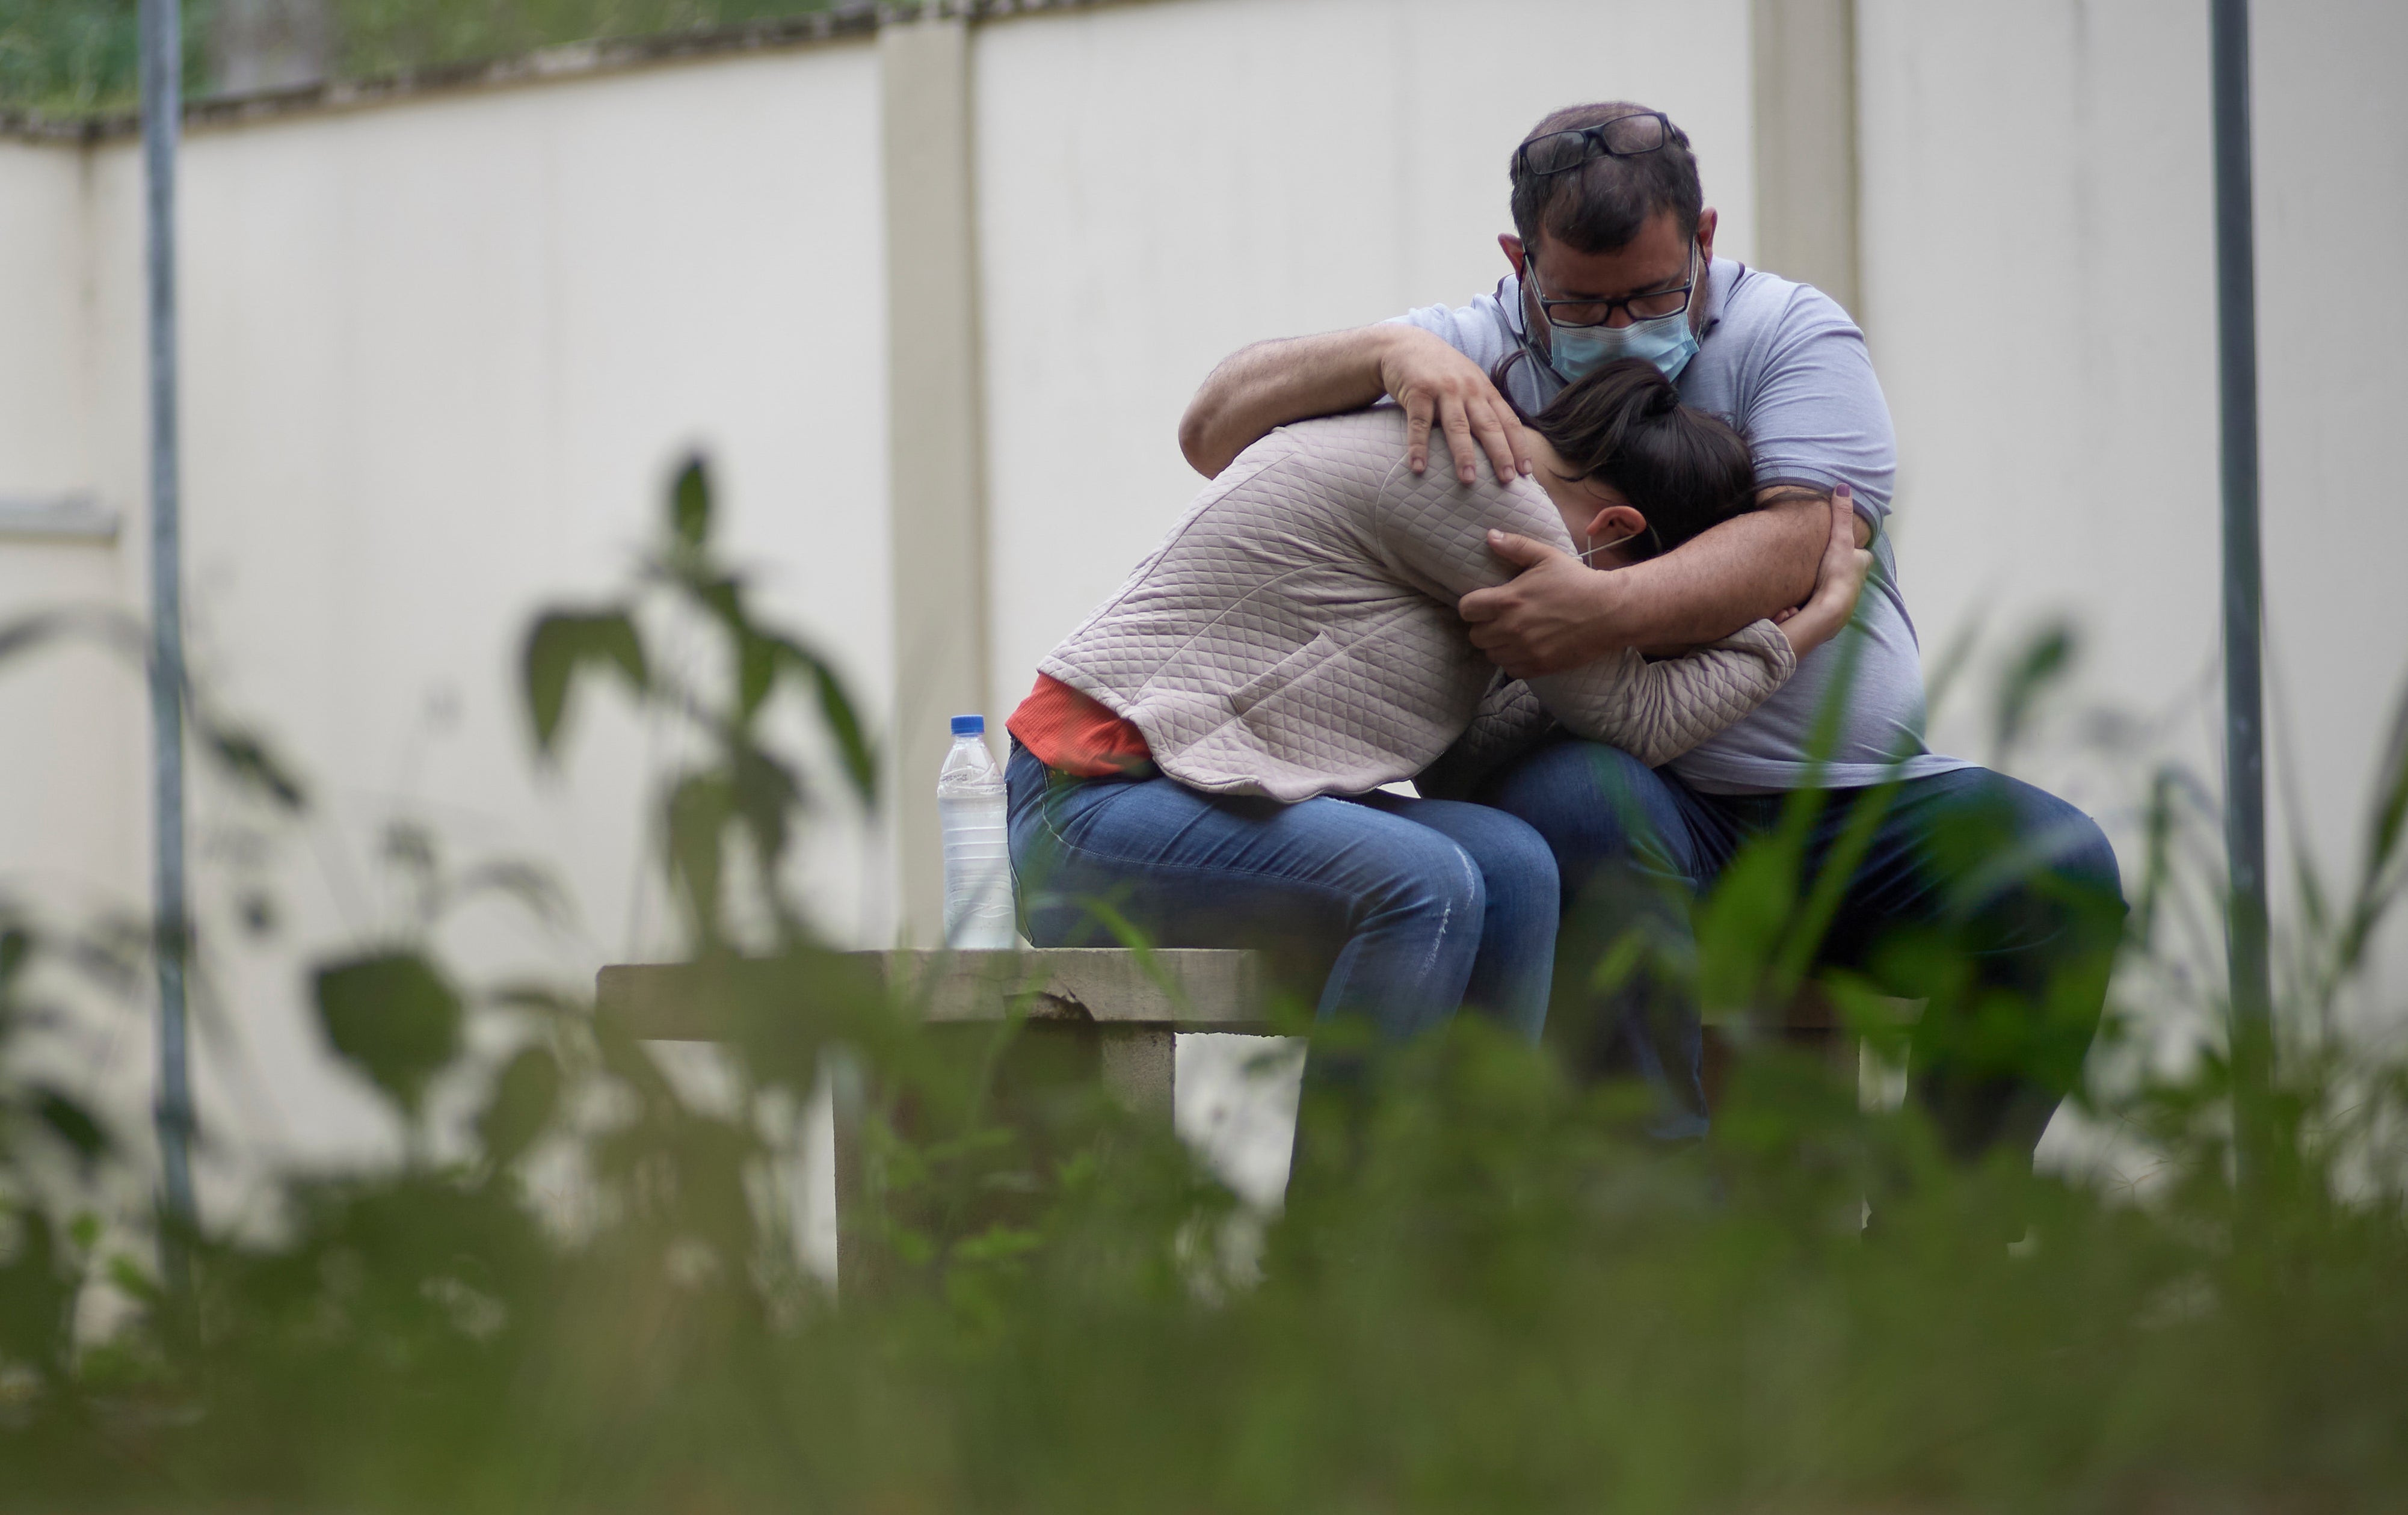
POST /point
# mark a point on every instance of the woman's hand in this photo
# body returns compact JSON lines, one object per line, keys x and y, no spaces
{"x":1837,"y":582}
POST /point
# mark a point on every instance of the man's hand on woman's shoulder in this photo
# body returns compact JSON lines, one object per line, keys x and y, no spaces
{"x":1555,"y":614}
{"x":1442,"y":389}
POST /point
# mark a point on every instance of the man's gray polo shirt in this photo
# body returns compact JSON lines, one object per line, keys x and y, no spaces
{"x":1786,"y":366}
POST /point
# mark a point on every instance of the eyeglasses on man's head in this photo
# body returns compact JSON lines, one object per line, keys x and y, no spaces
{"x":1624,"y":136}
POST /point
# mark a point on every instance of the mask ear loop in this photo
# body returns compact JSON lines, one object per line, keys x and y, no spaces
{"x":1602,"y":547}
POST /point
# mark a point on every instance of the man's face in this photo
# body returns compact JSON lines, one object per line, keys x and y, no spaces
{"x":1659,"y":258}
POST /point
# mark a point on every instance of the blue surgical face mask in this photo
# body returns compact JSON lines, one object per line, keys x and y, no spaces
{"x":1665,"y":341}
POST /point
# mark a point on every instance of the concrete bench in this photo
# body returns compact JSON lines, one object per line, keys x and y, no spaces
{"x":1133,"y":1005}
{"x":1129,"y":1006}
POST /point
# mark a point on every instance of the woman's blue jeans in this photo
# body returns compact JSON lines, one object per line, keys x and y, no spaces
{"x":1400,"y":909}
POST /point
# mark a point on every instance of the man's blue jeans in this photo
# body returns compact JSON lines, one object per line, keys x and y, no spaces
{"x":1399,"y":910}
{"x":1998,"y":904}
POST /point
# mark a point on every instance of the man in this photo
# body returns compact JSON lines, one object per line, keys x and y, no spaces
{"x":1996,"y":903}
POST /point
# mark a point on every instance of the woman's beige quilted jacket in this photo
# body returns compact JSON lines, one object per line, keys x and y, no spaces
{"x":1295,"y":633}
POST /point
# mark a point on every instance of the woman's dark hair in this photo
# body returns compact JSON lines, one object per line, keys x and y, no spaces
{"x":1624,"y":424}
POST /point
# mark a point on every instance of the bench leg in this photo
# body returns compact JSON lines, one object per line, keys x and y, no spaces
{"x":1140,"y":1067}
{"x":856,"y":1265}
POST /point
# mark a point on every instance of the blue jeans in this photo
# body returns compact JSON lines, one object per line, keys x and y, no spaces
{"x":1399,"y":910}
{"x":1998,"y":905}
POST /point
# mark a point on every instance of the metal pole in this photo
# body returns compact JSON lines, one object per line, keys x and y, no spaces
{"x":2244,"y":740}
{"x":163,"y":110}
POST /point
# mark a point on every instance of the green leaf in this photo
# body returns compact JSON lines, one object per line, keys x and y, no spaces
{"x":133,"y":1280}
{"x":394,"y":1018}
{"x":698,"y":809}
{"x":542,"y":999}
{"x":2046,"y":658}
{"x":843,"y":719}
{"x":36,"y":1296}
{"x":756,"y":670}
{"x":247,"y":760}
{"x":1741,"y":920}
{"x":996,"y":1244}
{"x":723,"y":597}
{"x":74,"y":1126}
{"x":690,"y":504}
{"x":2391,"y":803}
{"x":24,"y":636}
{"x":852,"y":740}
{"x":559,"y":645}
{"x":764,"y":792}
{"x":16,"y":950}
{"x":532,"y":887}
{"x":409,"y":845}
{"x":526,"y":1096}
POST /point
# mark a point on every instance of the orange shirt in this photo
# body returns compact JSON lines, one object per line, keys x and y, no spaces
{"x":1077,"y":734}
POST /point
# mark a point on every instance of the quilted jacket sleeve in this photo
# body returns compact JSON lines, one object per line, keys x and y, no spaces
{"x":1656,"y":711}
{"x":1510,"y":723}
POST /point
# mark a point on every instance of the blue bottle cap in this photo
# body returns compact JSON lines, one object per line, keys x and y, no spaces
{"x":969,"y":726}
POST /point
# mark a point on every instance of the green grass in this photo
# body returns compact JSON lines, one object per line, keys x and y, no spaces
{"x":1487,"y":1296}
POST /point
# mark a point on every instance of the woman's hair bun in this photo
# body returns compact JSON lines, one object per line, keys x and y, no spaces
{"x":1623,"y":424}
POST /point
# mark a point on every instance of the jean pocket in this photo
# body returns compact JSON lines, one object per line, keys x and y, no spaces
{"x":1069,"y":809}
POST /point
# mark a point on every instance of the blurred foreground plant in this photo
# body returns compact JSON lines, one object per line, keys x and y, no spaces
{"x":1501,"y":1301}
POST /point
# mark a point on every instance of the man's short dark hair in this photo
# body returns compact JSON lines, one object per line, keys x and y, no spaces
{"x":1600,"y":205}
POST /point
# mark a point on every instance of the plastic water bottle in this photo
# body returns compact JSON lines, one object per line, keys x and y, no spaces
{"x":977,"y":850}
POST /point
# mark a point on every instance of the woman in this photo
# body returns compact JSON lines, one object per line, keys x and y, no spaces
{"x":1202,"y":758}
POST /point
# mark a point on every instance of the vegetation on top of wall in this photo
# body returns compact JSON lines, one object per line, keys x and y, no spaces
{"x":376,"y":38}
{"x":78,"y":58}
{"x":579,"y":1287}
{"x":71,"y":58}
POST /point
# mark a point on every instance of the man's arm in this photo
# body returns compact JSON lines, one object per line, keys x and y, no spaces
{"x":1558,"y":613}
{"x":1272,"y":383}
{"x":1814,"y":415}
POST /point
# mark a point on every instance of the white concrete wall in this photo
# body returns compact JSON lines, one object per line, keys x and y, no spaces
{"x":71,"y":756}
{"x":1162,"y":184}
{"x":2332,"y":214}
{"x":2041,"y":300}
{"x":439,"y":361}
{"x":441,"y":355}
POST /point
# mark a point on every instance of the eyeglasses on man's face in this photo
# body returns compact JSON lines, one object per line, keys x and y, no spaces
{"x":1584,"y":311}
{"x":1624,"y":136}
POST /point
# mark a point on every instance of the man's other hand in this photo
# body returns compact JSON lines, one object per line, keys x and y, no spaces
{"x":1548,"y":618}
{"x":1840,"y":580}
{"x":1440,"y":387}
